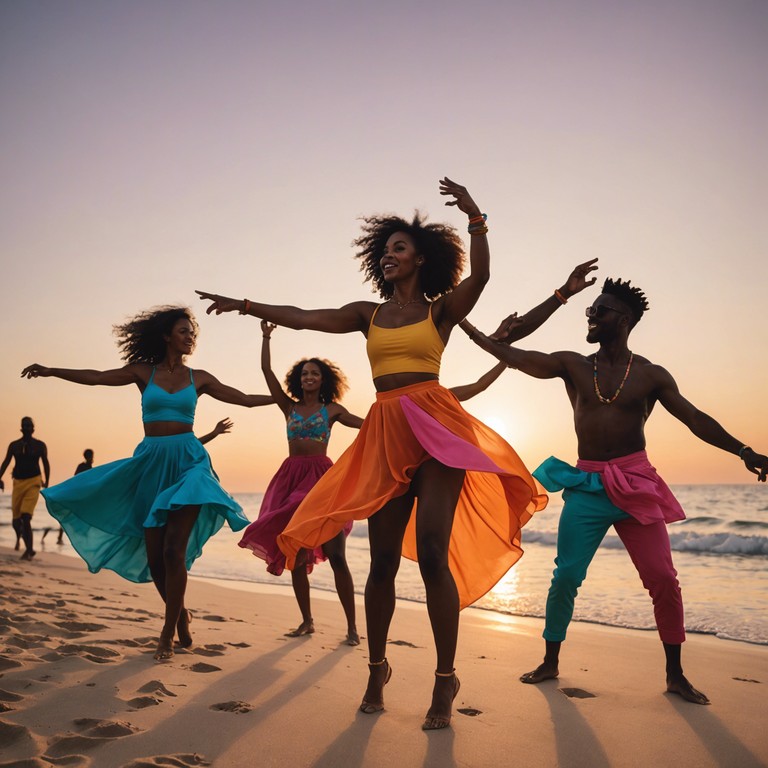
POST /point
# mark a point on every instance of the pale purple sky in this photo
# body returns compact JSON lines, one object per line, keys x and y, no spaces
{"x":149,"y":149}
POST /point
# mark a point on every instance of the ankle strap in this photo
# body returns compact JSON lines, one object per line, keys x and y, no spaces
{"x":377,"y":663}
{"x":445,"y":674}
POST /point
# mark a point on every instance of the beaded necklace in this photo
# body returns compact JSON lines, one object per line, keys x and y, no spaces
{"x":609,"y":400}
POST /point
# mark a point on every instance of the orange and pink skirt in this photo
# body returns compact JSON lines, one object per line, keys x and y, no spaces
{"x":405,"y":428}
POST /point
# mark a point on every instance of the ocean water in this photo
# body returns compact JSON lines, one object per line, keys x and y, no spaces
{"x":720,"y":552}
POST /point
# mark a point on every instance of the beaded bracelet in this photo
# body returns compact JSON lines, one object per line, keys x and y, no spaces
{"x":477,"y":230}
{"x":559,"y":296}
{"x":246,"y":307}
{"x":741,"y":451}
{"x":480,"y":217}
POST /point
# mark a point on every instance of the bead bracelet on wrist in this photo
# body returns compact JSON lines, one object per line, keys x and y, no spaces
{"x":559,"y":296}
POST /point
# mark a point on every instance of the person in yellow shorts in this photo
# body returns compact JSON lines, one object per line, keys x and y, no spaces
{"x":27,"y":453}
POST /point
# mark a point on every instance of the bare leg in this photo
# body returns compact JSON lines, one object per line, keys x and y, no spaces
{"x":334,"y":550}
{"x":17,"y":530}
{"x":385,"y":534}
{"x":26,"y":535}
{"x":300,"y":582}
{"x":170,"y":578}
{"x":548,"y":669}
{"x":438,"y":488}
{"x":676,"y":680}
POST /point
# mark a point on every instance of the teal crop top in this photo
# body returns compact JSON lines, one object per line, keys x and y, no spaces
{"x":159,"y":405}
{"x":314,"y":427}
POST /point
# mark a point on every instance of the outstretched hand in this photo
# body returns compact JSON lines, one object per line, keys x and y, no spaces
{"x":756,"y":463}
{"x":462,"y":199}
{"x":35,"y":370}
{"x":577,"y":280}
{"x":220,"y":303}
{"x":267,"y":328}
{"x":222,"y":427}
{"x":504,"y":332}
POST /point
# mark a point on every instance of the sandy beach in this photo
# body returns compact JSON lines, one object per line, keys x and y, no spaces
{"x":79,"y":686}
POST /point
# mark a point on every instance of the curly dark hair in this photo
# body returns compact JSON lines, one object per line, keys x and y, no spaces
{"x":439,"y":244}
{"x":140,"y":339}
{"x":633,"y":297}
{"x":333,"y":386}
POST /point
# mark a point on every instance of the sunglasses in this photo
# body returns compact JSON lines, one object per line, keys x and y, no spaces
{"x":599,"y":311}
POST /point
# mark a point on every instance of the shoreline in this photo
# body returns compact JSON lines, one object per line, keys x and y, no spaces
{"x":79,"y":687}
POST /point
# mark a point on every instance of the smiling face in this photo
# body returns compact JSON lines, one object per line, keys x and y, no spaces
{"x":606,"y":318}
{"x":400,"y":259}
{"x":311,"y":377}
{"x":182,"y":338}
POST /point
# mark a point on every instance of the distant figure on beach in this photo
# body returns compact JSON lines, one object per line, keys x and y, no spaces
{"x":310,"y":407}
{"x":417,"y":444}
{"x":83,"y":466}
{"x":27,"y":453}
{"x":613,"y":392}
{"x":148,"y":517}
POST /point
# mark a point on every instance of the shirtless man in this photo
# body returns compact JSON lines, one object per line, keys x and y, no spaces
{"x":27,"y":453}
{"x":613,"y":393}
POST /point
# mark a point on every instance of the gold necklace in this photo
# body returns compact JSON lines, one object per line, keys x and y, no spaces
{"x":405,"y":304}
{"x":600,"y":396}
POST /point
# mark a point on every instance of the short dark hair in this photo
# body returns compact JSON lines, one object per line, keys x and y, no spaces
{"x":439,"y":244}
{"x":333,"y":386}
{"x":141,"y":339}
{"x":633,"y":297}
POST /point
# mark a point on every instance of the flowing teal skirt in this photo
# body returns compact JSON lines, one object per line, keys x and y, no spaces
{"x":105,"y":510}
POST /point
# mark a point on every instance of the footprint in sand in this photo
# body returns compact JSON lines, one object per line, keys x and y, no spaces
{"x":179,"y":761}
{"x":746,"y":680}
{"x":212,"y":617}
{"x":10,"y":733}
{"x":209,"y":650}
{"x":8,"y":696}
{"x":577,"y":693}
{"x":155,"y":686}
{"x":240,"y":645}
{"x":203,"y":667}
{"x":469,"y":711}
{"x":80,"y":626}
{"x":6,"y":663}
{"x":402,"y":642}
{"x":93,"y":653}
{"x":142,"y":702}
{"x":93,"y":734}
{"x":238,"y":707}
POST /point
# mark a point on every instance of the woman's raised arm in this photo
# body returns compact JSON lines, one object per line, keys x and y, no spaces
{"x":116,"y":377}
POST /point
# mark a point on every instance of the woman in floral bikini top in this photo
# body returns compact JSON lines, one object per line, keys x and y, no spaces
{"x":310,"y":406}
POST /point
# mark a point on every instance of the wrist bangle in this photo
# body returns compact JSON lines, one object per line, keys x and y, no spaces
{"x":559,"y":296}
{"x":741,"y":451}
{"x":246,"y":307}
{"x":481,"y":217}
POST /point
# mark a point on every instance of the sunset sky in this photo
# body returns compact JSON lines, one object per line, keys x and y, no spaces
{"x":149,"y":149}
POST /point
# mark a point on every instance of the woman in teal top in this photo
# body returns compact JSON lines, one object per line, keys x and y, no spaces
{"x":148,"y":517}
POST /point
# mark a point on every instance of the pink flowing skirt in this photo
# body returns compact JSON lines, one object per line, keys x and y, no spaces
{"x":286,"y":490}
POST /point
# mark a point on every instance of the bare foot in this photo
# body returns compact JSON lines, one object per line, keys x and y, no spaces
{"x":182,"y":628}
{"x":378,"y":676}
{"x":352,"y":637}
{"x":679,"y":684}
{"x":18,"y":544}
{"x":445,"y":691}
{"x":28,"y":555}
{"x":164,"y":649}
{"x":545,"y":671}
{"x":305,"y":628}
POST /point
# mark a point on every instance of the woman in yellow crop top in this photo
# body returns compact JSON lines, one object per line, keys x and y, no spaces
{"x":147,"y":517}
{"x":434,"y":483}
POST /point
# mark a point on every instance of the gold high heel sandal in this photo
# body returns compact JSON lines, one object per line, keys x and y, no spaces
{"x":436,"y":722}
{"x":369,"y":707}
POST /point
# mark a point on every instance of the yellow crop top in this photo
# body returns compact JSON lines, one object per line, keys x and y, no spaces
{"x":414,"y":348}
